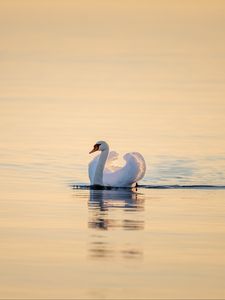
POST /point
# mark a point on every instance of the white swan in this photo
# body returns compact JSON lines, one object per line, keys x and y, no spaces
{"x":103,"y":172}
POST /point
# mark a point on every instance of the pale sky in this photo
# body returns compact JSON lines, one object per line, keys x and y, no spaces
{"x":143,"y":46}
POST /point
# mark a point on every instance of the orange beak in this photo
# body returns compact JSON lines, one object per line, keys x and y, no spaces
{"x":96,"y":147}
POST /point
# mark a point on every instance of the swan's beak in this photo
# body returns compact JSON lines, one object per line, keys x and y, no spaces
{"x":96,"y":147}
{"x":93,"y":150}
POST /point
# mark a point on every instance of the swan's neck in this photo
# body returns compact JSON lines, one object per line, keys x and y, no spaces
{"x":98,"y":178}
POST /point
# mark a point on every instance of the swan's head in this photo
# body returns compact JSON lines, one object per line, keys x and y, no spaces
{"x":100,"y":146}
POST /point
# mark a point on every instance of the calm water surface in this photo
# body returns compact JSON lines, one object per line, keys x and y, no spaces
{"x":63,"y":243}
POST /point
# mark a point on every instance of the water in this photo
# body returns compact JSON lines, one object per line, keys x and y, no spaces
{"x":152,"y":81}
{"x":49,"y":139}
{"x":59,"y":239}
{"x":112,"y":244}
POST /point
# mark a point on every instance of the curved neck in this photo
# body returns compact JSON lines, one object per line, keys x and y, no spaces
{"x":98,"y":178}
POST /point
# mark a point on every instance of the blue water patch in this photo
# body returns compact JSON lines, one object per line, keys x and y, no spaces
{"x":199,"y":171}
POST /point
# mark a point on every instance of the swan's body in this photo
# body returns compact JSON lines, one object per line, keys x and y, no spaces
{"x":103,"y":172}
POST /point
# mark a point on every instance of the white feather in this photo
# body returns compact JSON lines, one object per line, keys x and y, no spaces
{"x":115,"y":176}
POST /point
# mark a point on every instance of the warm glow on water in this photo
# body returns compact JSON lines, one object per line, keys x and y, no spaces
{"x":145,"y":76}
{"x":112,"y":244}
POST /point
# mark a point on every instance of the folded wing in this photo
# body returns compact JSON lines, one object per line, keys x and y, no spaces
{"x":126,"y":176}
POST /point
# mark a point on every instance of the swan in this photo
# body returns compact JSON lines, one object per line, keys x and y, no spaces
{"x":104,"y":173}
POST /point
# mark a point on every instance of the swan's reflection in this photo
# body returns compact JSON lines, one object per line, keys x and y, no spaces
{"x":112,"y":208}
{"x":119,"y":210}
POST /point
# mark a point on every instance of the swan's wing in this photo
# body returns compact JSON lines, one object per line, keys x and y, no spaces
{"x":133,"y":171}
{"x":139,"y":161}
{"x":92,"y":167}
{"x":111,"y":163}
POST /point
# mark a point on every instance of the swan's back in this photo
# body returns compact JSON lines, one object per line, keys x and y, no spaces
{"x":127,"y":176}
